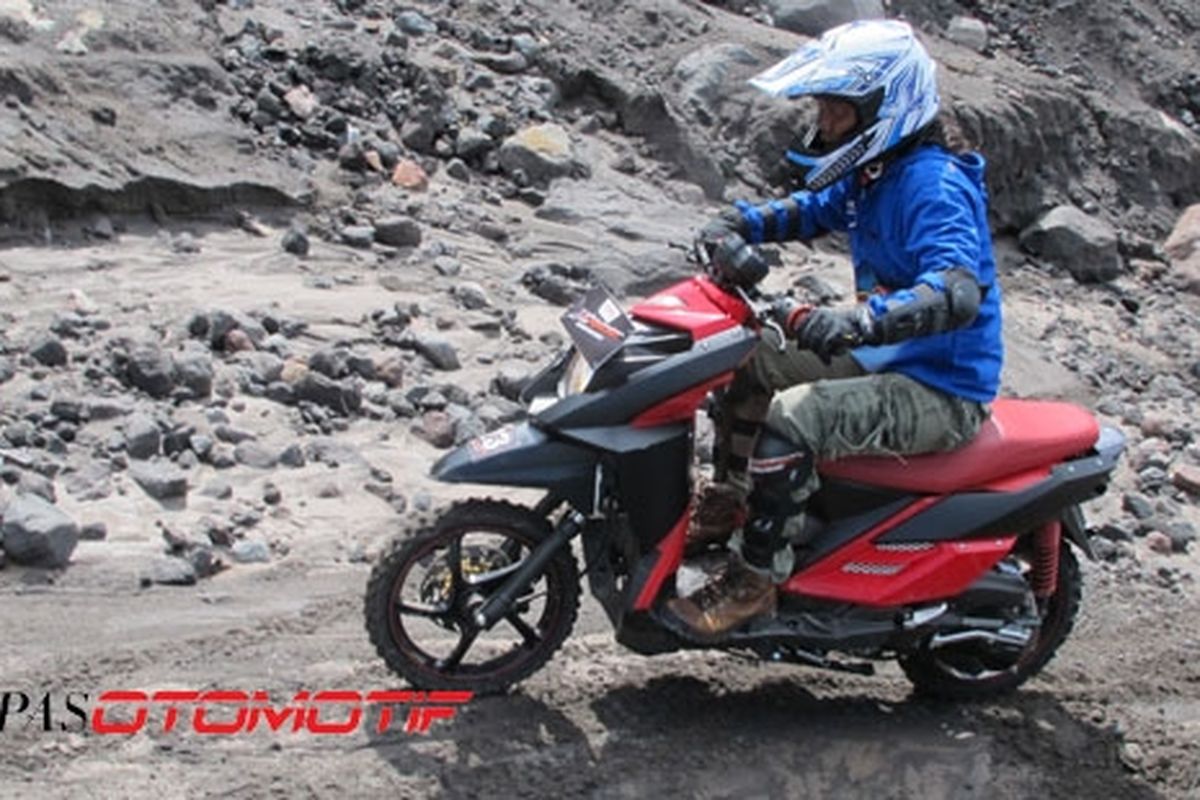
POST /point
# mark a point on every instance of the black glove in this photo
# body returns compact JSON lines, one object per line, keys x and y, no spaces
{"x":832,"y":331}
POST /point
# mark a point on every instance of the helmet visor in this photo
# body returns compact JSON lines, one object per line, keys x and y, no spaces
{"x":808,"y":72}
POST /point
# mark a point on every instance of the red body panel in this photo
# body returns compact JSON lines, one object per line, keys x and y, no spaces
{"x":1020,"y":436}
{"x":869,"y":574}
{"x":696,"y":306}
{"x":681,"y":407}
{"x":703,"y":310}
{"x":670,"y":555}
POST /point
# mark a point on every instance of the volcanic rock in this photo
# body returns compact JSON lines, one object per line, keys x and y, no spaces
{"x":1085,"y":246}
{"x":37,"y":533}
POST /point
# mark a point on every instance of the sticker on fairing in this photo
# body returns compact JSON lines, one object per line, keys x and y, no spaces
{"x":494,"y":442}
{"x":597,"y":326}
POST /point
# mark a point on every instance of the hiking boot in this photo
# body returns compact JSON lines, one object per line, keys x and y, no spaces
{"x":738,"y":595}
{"x":720,"y":510}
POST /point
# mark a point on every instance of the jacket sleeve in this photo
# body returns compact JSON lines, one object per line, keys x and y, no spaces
{"x":939,"y":234}
{"x":802,"y":215}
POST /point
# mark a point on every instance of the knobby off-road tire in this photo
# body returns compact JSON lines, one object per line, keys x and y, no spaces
{"x":931,"y":677}
{"x":515,"y":523}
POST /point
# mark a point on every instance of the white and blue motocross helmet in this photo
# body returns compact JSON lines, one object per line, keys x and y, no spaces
{"x":879,"y":67}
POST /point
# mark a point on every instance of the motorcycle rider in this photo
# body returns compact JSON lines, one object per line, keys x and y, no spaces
{"x":910,"y":368}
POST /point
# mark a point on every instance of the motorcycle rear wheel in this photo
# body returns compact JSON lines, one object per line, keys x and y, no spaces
{"x":423,"y":593}
{"x":935,"y":673}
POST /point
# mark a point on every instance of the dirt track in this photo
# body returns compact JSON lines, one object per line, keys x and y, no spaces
{"x":596,"y":722}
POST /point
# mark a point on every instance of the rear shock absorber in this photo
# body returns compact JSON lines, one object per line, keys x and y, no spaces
{"x":1046,"y":543}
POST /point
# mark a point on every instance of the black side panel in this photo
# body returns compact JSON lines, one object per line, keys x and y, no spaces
{"x":993,"y":590}
{"x":641,"y":633}
{"x":709,"y":358}
{"x":523,"y":456}
{"x":839,"y":499}
{"x":654,"y":487}
{"x":625,"y":438}
{"x":646,"y":346}
{"x":839,"y":532}
{"x":546,"y":381}
{"x":1075,"y":530}
{"x":982,"y":514}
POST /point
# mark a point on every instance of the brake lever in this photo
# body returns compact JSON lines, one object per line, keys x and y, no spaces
{"x":764,"y":317}
{"x":775,"y":326}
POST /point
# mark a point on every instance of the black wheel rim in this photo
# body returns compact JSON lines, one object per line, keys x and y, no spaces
{"x":434,"y":628}
{"x":978,"y":663}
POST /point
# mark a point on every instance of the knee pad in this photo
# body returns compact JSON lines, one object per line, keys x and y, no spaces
{"x":778,"y":469}
{"x":776,"y":458}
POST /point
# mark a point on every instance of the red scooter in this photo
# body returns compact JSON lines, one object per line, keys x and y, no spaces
{"x":958,"y":565}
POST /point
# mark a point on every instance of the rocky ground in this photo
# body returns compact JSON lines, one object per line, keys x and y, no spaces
{"x":261,"y":263}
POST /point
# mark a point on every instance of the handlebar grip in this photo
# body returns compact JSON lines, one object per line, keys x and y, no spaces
{"x":797,"y":315}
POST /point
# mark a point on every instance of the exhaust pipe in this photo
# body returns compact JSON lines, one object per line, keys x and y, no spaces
{"x":1008,"y":636}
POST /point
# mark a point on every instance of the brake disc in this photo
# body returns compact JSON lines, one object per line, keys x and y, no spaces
{"x":437,"y":586}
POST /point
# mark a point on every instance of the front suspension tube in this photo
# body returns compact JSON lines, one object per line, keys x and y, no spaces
{"x":500,"y":604}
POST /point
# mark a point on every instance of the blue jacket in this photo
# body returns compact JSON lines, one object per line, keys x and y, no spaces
{"x":925,"y":214}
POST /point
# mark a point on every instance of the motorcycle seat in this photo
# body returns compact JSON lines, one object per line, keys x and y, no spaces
{"x":1020,"y":435}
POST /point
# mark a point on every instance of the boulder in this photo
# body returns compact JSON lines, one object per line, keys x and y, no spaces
{"x":1184,"y":241}
{"x":258,"y":456}
{"x":437,"y":351}
{"x":301,"y":101}
{"x":398,"y":232}
{"x":358,"y":236}
{"x":408,"y":174}
{"x":295,"y":241}
{"x":473,"y":144}
{"x":48,"y":351}
{"x":143,"y":439}
{"x":968,"y":32}
{"x":151,"y":370}
{"x":414,"y":24}
{"x":813,"y":17}
{"x":172,"y":571}
{"x":194,"y":372}
{"x":342,"y":397}
{"x":161,"y":480}
{"x":250,"y":551}
{"x":38,"y":533}
{"x":332,"y":362}
{"x":557,"y":283}
{"x":539,"y":154}
{"x":702,"y":77}
{"x":221,"y":323}
{"x":510,"y":381}
{"x":471,"y":295}
{"x":1085,"y":246}
{"x":1183,"y":248}
{"x":437,"y":428}
{"x":1187,"y":478}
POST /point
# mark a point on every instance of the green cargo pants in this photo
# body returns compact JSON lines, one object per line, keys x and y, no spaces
{"x":835,"y":410}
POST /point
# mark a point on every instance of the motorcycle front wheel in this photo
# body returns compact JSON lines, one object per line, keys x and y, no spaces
{"x":423,"y":593}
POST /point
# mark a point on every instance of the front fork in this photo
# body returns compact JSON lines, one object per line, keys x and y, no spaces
{"x":656,"y":490}
{"x":496,"y":607}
